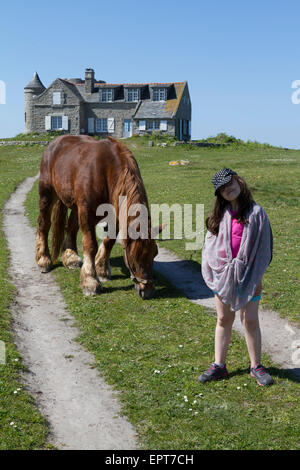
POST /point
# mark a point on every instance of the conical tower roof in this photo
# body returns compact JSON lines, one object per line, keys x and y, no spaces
{"x":35,"y":83}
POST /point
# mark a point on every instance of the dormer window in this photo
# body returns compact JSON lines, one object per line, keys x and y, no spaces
{"x":133,"y":94}
{"x":159,"y":94}
{"x":106,"y":95}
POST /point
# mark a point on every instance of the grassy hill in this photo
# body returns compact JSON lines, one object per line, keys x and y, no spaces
{"x":153,"y":351}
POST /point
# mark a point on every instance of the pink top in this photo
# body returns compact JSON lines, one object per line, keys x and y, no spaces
{"x":236,"y":233}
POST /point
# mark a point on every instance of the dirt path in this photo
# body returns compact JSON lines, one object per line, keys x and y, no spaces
{"x":279,"y":339}
{"x":82,"y":410}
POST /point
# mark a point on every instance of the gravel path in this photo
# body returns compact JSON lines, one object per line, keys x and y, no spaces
{"x":82,"y":410}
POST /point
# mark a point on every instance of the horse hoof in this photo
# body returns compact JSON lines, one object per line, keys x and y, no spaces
{"x":44,"y":270}
{"x":45,"y":265}
{"x":74,"y":265}
{"x":91,"y":286}
{"x":70,"y":259}
{"x":87,"y":292}
{"x":103,"y":279}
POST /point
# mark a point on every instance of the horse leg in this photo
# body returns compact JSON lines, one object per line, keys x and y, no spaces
{"x":102,"y":259}
{"x":70,"y":256}
{"x":89,"y":282}
{"x":42,"y":254}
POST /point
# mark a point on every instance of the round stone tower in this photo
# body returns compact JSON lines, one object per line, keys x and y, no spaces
{"x":33,"y":89}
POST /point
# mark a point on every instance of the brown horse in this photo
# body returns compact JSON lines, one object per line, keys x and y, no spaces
{"x":80,"y":173}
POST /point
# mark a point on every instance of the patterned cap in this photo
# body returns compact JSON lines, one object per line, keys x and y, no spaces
{"x":222,"y":177}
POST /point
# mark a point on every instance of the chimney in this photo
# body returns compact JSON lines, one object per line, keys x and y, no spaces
{"x":89,"y":80}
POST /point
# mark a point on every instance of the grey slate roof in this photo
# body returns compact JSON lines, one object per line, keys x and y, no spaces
{"x":153,"y":109}
{"x":35,"y":83}
{"x":161,"y":109}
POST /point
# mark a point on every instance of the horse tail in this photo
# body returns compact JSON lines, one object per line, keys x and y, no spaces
{"x":58,"y":223}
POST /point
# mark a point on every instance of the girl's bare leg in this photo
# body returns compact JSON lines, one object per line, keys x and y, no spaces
{"x":225,"y":319}
{"x":250,"y":322}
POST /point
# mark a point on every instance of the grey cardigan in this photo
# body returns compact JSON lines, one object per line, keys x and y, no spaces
{"x":236,"y":279}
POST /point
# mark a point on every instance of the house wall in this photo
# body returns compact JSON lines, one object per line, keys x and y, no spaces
{"x":171,"y":129}
{"x":183,"y":116}
{"x":118,"y":111}
{"x":79,"y":111}
{"x":43,"y":106}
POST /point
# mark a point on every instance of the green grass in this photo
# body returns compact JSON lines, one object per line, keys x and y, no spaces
{"x":29,"y":429}
{"x":33,"y":136}
{"x":273,"y":176}
{"x":152,"y":351}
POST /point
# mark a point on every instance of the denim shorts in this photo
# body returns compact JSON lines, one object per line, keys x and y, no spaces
{"x":257,"y":297}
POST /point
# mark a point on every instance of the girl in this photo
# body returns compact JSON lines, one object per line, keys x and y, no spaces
{"x":237,"y":251}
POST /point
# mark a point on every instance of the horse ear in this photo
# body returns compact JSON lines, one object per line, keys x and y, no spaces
{"x":156,"y":230}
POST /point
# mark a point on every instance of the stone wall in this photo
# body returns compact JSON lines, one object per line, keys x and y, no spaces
{"x":118,"y":111}
{"x":171,"y":127}
{"x":78,"y":112}
{"x":184,"y":115}
{"x":43,"y":106}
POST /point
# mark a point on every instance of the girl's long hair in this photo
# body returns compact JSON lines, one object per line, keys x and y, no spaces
{"x":245,"y":202}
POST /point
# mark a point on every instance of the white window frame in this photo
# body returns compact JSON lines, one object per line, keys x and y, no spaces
{"x":142,"y":125}
{"x":163,"y":125}
{"x":106,"y":95}
{"x":133,"y":95}
{"x":101,"y":125}
{"x":56,"y":97}
{"x":159,"y":94}
{"x":52,"y":125}
{"x":153,"y":125}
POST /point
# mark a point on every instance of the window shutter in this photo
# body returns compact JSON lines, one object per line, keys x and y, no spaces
{"x":91,"y":125}
{"x":48,"y":123}
{"x":163,"y":125}
{"x":56,"y":97}
{"x":111,"y":125}
{"x":65,"y":123}
{"x":142,"y":125}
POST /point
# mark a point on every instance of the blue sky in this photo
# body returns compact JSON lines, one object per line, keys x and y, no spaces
{"x":239,"y":58}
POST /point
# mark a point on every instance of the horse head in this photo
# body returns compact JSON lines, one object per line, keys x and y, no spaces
{"x":138,"y":256}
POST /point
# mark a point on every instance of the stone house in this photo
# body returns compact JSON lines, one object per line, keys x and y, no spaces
{"x":98,"y":108}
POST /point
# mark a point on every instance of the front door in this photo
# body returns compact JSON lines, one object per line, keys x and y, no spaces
{"x":127,"y":131}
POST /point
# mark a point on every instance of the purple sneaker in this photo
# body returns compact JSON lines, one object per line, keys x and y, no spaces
{"x":215,"y":372}
{"x":261,"y":375}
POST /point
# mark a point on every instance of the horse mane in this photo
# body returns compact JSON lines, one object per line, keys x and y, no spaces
{"x":129,"y":184}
